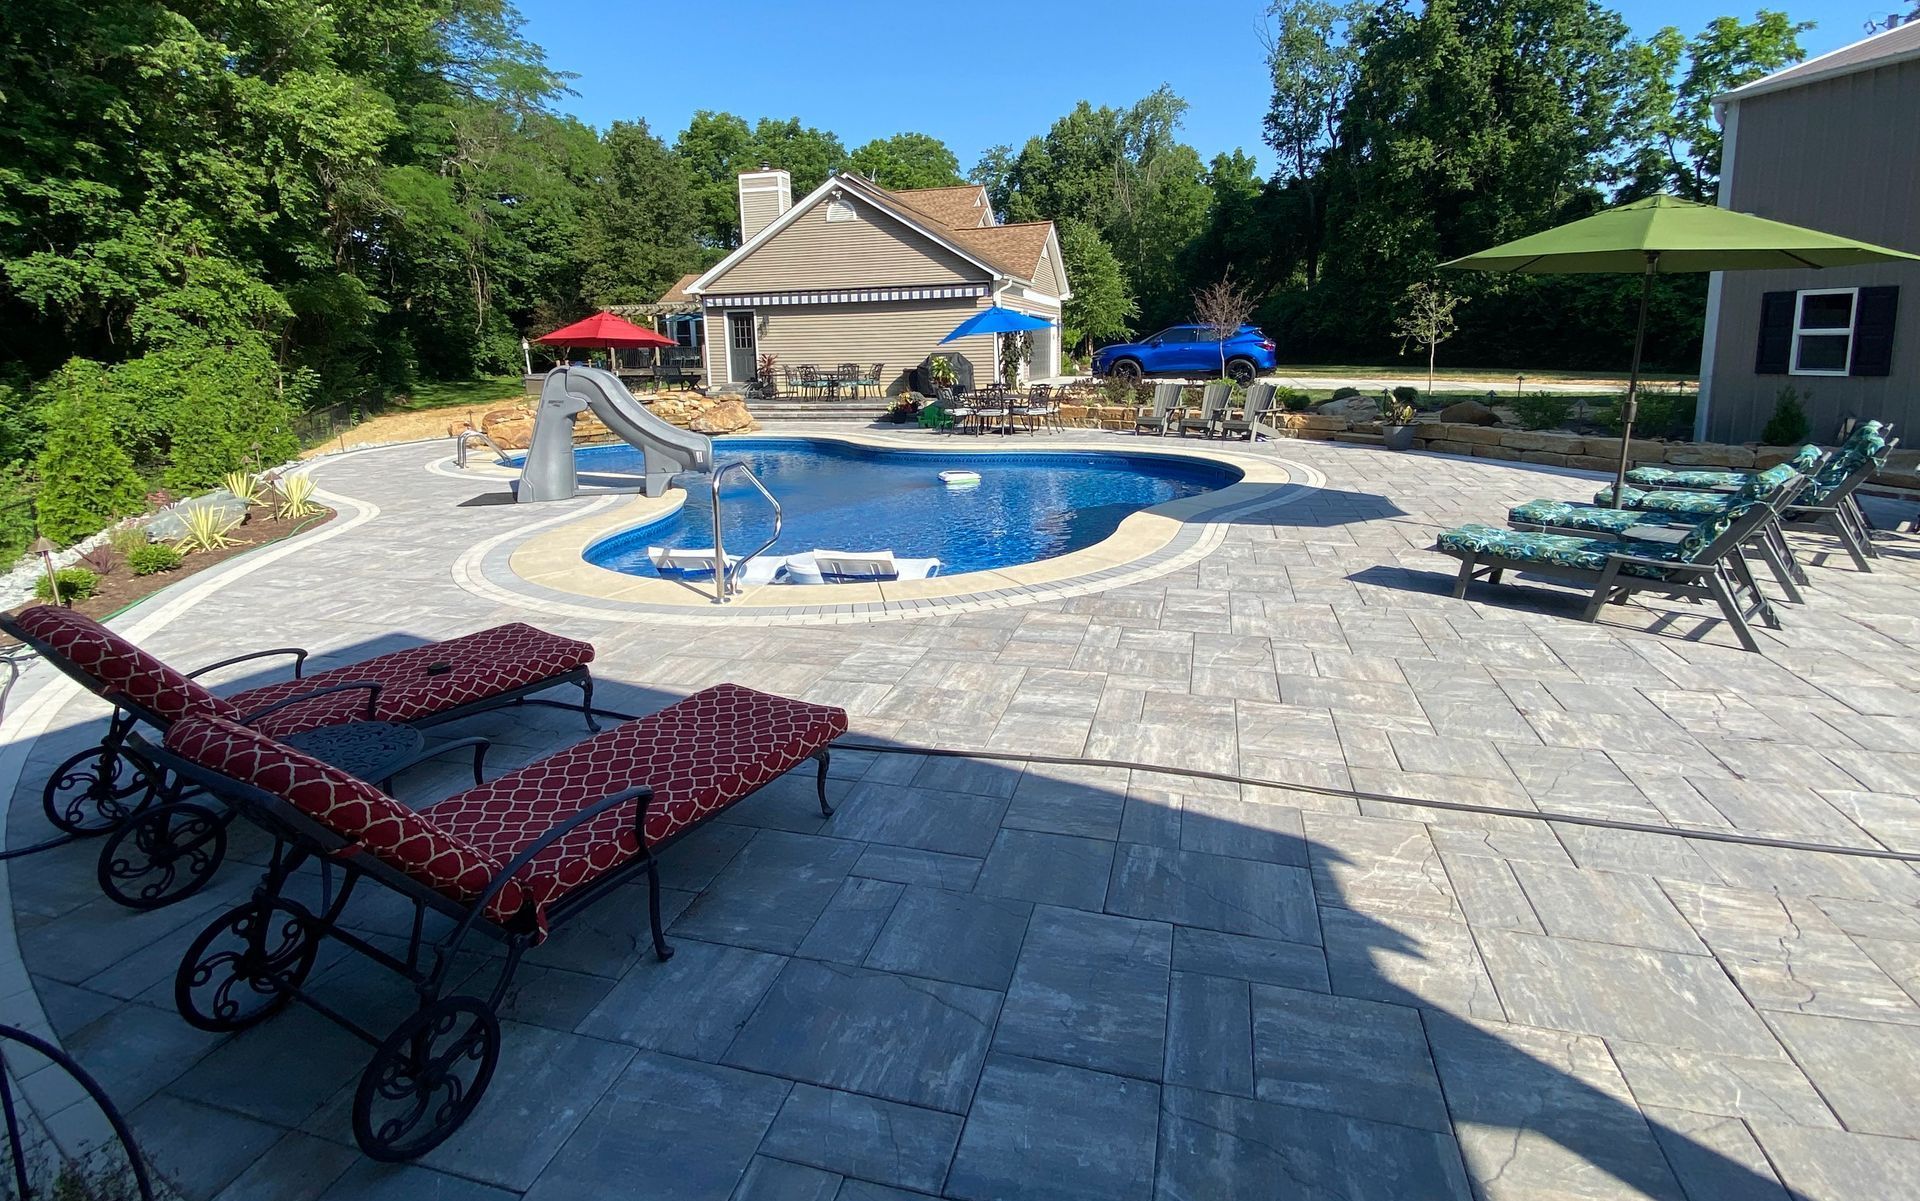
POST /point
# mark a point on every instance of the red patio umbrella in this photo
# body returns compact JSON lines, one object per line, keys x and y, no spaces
{"x":605,"y":331}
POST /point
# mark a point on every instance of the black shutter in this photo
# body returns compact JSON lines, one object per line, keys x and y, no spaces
{"x":1775,"y":352}
{"x":1873,"y":331}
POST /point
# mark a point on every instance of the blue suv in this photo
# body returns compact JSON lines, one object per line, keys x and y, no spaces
{"x":1188,"y":350}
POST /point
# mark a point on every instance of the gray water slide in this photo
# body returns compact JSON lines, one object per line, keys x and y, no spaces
{"x":549,"y":472}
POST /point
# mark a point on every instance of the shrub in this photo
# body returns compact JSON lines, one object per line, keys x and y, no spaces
{"x":296,"y":497}
{"x":230,"y":410}
{"x":153,"y":558}
{"x":76,"y":584}
{"x":1663,"y":414}
{"x":1542,"y":411}
{"x":1407,"y":394}
{"x":86,"y":480}
{"x":126,"y":539}
{"x":102,"y":560}
{"x":1293,"y":400}
{"x":247,"y":486}
{"x":1789,"y":425}
{"x":1344,"y":392}
{"x":207,"y":527}
{"x":16,"y":514}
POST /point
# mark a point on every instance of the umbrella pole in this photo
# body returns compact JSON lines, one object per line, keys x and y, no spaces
{"x":1632,"y":408}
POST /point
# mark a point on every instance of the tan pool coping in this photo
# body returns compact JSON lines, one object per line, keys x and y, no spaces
{"x":550,"y":558}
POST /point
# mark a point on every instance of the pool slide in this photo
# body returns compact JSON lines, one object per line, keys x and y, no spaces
{"x":549,"y":472}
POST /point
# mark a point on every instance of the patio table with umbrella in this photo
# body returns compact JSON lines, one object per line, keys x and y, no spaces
{"x":1663,"y":235}
{"x":996,"y":320}
{"x":608,"y":332}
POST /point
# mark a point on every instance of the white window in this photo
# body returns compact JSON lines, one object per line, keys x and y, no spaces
{"x":1823,"y":330}
{"x":840,"y":209}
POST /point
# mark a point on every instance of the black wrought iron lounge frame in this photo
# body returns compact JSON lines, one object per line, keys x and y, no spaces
{"x":163,"y":844}
{"x":1719,"y":573}
{"x":252,"y":961}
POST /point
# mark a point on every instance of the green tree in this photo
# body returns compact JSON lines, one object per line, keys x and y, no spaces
{"x":1102,"y":307}
{"x":639,"y":233}
{"x":1313,"y":62}
{"x":86,"y":480}
{"x":907,"y":160}
{"x":716,"y":148}
{"x":1676,"y":145}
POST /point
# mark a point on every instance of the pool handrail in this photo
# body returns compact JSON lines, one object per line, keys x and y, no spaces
{"x":725,"y":574}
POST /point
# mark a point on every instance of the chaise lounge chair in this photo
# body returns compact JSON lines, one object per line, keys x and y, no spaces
{"x":1703,"y":564}
{"x":162,"y":847}
{"x":1213,"y":402}
{"x":1259,"y":397}
{"x":1804,"y":461}
{"x":509,"y":861}
{"x":1776,"y":485}
{"x":1166,"y":394}
{"x":846,"y":566}
{"x":1830,"y":503}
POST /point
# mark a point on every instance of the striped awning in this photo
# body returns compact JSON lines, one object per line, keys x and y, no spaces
{"x":855,"y":296}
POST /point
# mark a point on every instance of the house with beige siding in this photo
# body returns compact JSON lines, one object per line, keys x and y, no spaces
{"x":856,"y":273}
{"x":1829,"y":144}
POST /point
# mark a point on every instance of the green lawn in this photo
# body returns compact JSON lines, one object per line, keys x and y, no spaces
{"x":453,"y":394}
{"x":1490,"y":376}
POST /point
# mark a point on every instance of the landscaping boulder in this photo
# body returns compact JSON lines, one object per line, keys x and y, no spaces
{"x":1352,"y":408}
{"x":1644,"y":450}
{"x":727,"y":417}
{"x":514,"y":434}
{"x":1482,"y":435}
{"x":1468,"y":412}
{"x":170,"y":523}
{"x":678,"y":408}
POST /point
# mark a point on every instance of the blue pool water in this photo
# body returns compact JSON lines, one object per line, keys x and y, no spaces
{"x":1029,"y":505}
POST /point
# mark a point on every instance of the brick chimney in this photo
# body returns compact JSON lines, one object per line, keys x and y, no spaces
{"x":764,"y":195}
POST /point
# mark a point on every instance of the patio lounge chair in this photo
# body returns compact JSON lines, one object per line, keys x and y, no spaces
{"x":507,"y":861}
{"x":1704,"y":564}
{"x":1777,"y":486}
{"x":1166,"y":394}
{"x":693,"y":562}
{"x":1259,"y":398}
{"x":1213,"y":403}
{"x":845,"y":566}
{"x":1804,"y":461}
{"x":163,"y":847}
{"x":1829,"y":502}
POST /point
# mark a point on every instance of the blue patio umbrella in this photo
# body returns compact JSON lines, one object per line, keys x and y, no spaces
{"x":996,"y":320}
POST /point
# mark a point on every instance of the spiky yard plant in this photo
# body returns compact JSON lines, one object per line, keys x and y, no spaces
{"x":207,"y":527}
{"x":246,"y":486}
{"x":296,"y":498}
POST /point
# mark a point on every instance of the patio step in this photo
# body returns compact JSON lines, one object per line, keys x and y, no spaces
{"x":864,"y":409}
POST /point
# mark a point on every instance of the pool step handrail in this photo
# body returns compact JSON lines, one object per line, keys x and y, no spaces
{"x":465,"y":436}
{"x":726,"y":575}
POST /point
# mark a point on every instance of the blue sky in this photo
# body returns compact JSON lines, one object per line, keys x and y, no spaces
{"x":870,"y":68}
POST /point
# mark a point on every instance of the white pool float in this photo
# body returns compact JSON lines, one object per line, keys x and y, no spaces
{"x":959,"y":477}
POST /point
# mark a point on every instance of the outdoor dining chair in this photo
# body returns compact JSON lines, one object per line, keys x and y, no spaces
{"x":847,"y":376}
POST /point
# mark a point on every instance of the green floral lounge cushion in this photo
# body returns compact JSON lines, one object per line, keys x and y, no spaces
{"x":1566,"y":515}
{"x":1855,"y":454}
{"x":1557,"y":550}
{"x":1806,"y":459}
{"x":1692,"y":504}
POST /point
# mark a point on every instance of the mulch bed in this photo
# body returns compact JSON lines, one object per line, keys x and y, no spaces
{"x":122,"y":587}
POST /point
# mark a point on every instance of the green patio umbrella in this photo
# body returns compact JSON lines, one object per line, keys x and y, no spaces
{"x":1665,"y":235}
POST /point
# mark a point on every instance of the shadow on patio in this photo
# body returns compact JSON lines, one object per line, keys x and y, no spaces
{"x":977,"y":980}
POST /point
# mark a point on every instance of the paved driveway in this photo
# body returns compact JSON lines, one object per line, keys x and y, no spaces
{"x":983,"y":980}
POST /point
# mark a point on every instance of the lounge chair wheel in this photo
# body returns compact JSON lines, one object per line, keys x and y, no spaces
{"x":425,"y":1079}
{"x":244,"y":967}
{"x":93,"y":791}
{"x":163,"y":854}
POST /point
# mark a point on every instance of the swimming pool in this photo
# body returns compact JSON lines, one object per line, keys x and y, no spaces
{"x":1029,"y":505}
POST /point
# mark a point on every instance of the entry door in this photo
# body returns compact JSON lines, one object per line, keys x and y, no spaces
{"x":740,"y":346}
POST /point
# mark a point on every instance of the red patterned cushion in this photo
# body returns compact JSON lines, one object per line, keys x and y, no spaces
{"x":116,"y":665}
{"x":481,"y":666}
{"x":699,"y":755}
{"x":373,"y":821}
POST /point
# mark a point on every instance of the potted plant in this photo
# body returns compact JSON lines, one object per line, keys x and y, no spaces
{"x":941,"y":372}
{"x":905,"y":408}
{"x":1396,"y":422}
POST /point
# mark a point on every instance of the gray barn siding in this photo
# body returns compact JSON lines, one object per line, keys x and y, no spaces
{"x":1841,"y":155}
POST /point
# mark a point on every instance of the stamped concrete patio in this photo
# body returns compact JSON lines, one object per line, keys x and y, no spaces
{"x":982,"y":981}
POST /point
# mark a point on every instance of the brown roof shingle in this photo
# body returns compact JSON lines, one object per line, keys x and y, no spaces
{"x":1884,"y":48}
{"x":962,"y":206}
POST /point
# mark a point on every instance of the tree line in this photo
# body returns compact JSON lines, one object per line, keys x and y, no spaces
{"x":215,"y":214}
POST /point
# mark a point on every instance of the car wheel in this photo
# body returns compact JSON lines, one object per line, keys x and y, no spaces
{"x":1126,"y":371}
{"x":1240,"y":371}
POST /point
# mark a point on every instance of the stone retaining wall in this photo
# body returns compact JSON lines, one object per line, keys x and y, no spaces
{"x":1550,"y":449}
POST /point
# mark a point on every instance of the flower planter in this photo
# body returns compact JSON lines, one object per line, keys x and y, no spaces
{"x":1397,"y":437}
